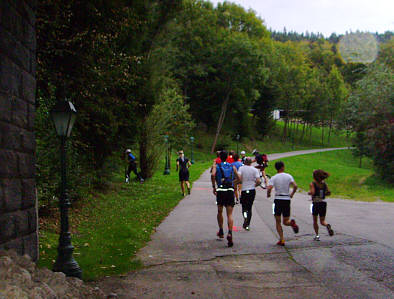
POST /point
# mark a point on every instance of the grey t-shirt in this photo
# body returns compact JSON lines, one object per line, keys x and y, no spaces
{"x":249,"y":174}
{"x":281,"y":182}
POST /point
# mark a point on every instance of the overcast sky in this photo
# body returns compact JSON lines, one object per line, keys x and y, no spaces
{"x":324,"y":16}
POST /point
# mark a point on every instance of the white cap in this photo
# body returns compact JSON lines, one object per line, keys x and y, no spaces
{"x":243,"y":153}
{"x":128,"y":150}
{"x":254,"y":151}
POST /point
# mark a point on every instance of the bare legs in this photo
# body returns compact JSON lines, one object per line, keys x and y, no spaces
{"x":279,"y":229}
{"x":183,"y":187}
{"x":316,"y":225}
{"x":229,"y":212}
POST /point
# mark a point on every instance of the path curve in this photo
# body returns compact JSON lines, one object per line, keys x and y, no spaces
{"x":184,"y":259}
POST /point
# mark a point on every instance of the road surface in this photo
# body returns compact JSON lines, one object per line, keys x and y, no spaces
{"x":184,"y":259}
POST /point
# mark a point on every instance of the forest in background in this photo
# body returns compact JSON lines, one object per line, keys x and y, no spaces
{"x":138,"y":70}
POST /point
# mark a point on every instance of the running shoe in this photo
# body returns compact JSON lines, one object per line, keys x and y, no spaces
{"x":230,"y":240}
{"x":245,"y":224}
{"x":188,"y":190}
{"x":247,"y":228}
{"x":220,"y":234}
{"x":329,"y":229}
{"x":281,"y":243}
{"x":316,"y":238}
{"x":294,"y":226}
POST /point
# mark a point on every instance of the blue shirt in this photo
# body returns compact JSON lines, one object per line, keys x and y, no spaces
{"x":237,"y":164}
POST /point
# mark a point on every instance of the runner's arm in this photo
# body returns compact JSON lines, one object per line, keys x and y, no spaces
{"x":213,"y":176}
{"x":295,"y":187}
{"x":311,"y":189}
{"x":328,"y":192}
{"x":258,"y":182}
{"x":189,"y":164}
{"x":269,"y":189}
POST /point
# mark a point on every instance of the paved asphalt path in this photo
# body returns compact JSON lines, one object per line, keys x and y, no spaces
{"x":185,"y":259}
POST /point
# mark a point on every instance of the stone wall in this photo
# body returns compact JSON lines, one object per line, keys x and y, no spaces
{"x":18,"y":215}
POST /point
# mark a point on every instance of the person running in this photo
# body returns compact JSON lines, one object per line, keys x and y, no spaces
{"x":282,"y":182}
{"x":132,"y":167}
{"x":318,"y":189}
{"x":262,"y":164}
{"x":237,"y":163}
{"x":183,"y":165}
{"x":243,"y":157}
{"x":250,"y":178}
{"x":223,"y":175}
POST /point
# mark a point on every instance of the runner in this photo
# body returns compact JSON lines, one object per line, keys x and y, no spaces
{"x":250,"y":178}
{"x":262,"y":164}
{"x":183,"y":165}
{"x":243,"y":157}
{"x":237,"y":187}
{"x":223,"y":175}
{"x":319,"y":190}
{"x":282,"y":182}
{"x":132,"y":167}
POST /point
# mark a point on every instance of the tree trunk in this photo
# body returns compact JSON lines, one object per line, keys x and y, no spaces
{"x":329,"y":131}
{"x":220,"y":121}
{"x":303,"y":132}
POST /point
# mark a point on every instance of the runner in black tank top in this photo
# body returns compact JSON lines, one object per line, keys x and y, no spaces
{"x":183,"y":165}
{"x":318,"y":189}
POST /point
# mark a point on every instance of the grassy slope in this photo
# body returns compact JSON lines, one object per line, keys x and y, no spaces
{"x":109,"y":228}
{"x":347,"y":180}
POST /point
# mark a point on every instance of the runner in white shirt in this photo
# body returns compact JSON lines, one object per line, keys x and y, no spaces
{"x":249,"y":178}
{"x":282,"y":182}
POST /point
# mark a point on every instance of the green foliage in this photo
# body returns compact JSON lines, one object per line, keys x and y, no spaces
{"x":170,"y":117}
{"x":370,"y":111}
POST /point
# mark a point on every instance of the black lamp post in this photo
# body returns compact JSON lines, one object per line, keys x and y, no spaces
{"x":237,"y":137}
{"x":63,"y":115}
{"x":192,"y":141}
{"x":167,"y":166}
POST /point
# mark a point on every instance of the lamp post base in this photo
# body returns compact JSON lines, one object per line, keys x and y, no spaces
{"x":65,"y":261}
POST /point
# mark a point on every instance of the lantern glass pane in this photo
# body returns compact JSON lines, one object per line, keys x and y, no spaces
{"x":73,"y":116}
{"x":61,"y":120}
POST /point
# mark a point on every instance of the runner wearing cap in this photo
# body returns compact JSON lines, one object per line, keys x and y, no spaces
{"x":243,"y":157}
{"x":250,"y":178}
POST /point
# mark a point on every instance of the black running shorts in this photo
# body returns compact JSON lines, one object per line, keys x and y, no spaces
{"x":248,"y":196}
{"x":225,"y":198}
{"x":184,"y":175}
{"x":319,"y":208}
{"x":282,"y":207}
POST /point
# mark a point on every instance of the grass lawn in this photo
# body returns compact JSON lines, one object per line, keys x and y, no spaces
{"x":347,"y":180}
{"x":108,"y":229}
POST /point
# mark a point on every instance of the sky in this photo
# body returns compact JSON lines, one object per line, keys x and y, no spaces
{"x":324,"y":16}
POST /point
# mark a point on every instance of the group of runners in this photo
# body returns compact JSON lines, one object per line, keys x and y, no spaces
{"x":230,"y":174}
{"x":234,"y":180}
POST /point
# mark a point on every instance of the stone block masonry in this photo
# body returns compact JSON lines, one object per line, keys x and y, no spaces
{"x":18,"y":213}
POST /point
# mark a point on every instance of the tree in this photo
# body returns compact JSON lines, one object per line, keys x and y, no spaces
{"x":370,"y":110}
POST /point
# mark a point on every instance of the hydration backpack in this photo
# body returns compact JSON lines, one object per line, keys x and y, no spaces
{"x":226,"y":175}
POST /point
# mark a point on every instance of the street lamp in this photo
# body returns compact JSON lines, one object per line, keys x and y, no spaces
{"x":237,"y":137}
{"x":167,"y":166}
{"x":192,"y":141}
{"x":63,"y":116}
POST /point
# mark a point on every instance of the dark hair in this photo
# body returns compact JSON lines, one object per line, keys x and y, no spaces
{"x":248,"y":161}
{"x":320,"y":175}
{"x":279,"y":165}
{"x":231,"y":153}
{"x":236,"y":157}
{"x":223,"y":156}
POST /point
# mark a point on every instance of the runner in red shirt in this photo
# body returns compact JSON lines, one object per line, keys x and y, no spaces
{"x":230,"y":158}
